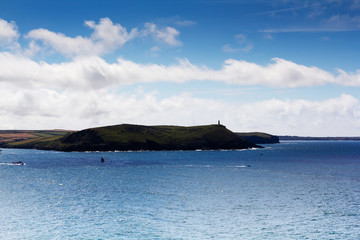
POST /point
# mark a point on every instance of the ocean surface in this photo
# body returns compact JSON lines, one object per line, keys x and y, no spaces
{"x":292,"y":190}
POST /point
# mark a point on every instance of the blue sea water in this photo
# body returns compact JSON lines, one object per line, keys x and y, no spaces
{"x":292,"y":190}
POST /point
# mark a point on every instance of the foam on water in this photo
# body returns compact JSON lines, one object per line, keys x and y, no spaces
{"x":13,"y":164}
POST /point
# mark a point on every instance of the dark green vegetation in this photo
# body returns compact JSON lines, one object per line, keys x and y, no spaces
{"x":259,"y":137}
{"x":127,"y":137}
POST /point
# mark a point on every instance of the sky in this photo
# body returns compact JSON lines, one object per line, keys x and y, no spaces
{"x":282,"y":67}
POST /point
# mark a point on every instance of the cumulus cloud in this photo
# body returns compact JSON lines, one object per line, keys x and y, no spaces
{"x":167,"y":35}
{"x":8,"y":34}
{"x":109,"y":34}
{"x":64,"y":44}
{"x":106,"y":37}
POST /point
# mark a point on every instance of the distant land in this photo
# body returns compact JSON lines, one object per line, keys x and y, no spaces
{"x":127,"y":137}
{"x":259,"y":137}
{"x":288,"y":138}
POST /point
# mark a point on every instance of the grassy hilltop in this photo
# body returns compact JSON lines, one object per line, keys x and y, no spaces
{"x":137,"y":137}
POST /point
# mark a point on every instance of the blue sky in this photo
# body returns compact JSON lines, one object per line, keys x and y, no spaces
{"x":283,"y":67}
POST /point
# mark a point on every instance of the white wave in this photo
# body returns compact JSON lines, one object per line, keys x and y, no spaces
{"x":13,"y":164}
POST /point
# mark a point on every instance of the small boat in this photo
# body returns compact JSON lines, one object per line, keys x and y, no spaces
{"x":18,"y":163}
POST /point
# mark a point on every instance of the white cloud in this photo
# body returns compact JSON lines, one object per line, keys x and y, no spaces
{"x":63,"y":44}
{"x":105,"y":38}
{"x":110,"y":35}
{"x":94,"y":72}
{"x":9,"y":34}
{"x":348,"y":79}
{"x":279,"y":73}
{"x":32,"y":50}
{"x":167,"y":35}
{"x":337,"y":116}
{"x":45,"y":108}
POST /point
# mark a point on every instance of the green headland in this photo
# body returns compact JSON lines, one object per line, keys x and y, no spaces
{"x":126,"y":137}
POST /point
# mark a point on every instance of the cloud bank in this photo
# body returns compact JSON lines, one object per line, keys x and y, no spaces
{"x":47,"y":109}
{"x":94,"y":72}
{"x":85,"y":91}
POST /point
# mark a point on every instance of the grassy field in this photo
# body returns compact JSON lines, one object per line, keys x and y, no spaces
{"x":14,"y":138}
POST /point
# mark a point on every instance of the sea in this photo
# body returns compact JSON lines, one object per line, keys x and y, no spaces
{"x":291,"y":190}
